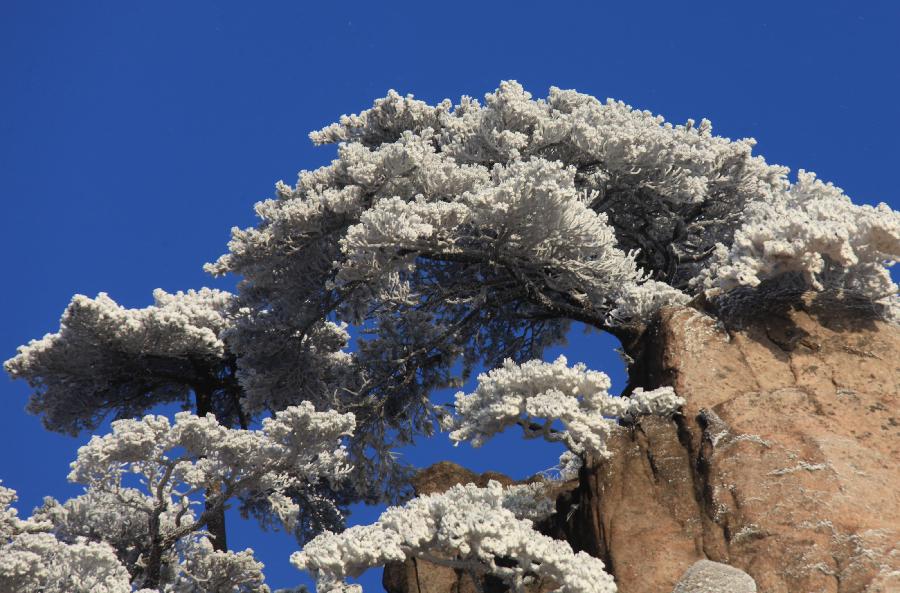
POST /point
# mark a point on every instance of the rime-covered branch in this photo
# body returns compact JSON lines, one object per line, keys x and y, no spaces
{"x":467,"y":528}
{"x":535,"y":394}
{"x":450,"y":237}
{"x":33,"y":560}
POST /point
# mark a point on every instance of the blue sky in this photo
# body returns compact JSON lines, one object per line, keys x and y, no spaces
{"x":134,"y":135}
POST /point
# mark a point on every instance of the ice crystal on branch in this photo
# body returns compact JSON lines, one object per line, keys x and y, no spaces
{"x":452,"y":237}
{"x":814,"y":231}
{"x":530,"y":221}
{"x":297,"y":447}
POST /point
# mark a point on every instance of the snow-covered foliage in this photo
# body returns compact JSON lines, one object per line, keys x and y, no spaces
{"x":155,"y":529}
{"x":308,"y":367}
{"x":535,"y":394}
{"x":297,"y":447}
{"x":77,"y":547}
{"x":33,"y":560}
{"x":467,"y":528}
{"x":570,"y":463}
{"x":674,"y":192}
{"x":813,"y":230}
{"x":10,"y":523}
{"x":205,"y":570}
{"x":108,"y":358}
{"x":528,"y":216}
{"x":39,"y":563}
{"x":118,"y":519}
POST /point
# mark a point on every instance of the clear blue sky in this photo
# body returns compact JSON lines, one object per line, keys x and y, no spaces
{"x":133,"y":135}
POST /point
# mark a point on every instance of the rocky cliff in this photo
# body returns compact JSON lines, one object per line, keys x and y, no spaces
{"x":784,"y":463}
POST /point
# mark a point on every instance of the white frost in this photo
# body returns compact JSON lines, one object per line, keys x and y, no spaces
{"x":465,"y":527}
{"x":535,"y":394}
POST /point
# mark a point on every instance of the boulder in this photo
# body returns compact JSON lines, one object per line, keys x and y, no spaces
{"x":706,"y":576}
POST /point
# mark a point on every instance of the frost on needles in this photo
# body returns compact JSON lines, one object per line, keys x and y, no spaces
{"x":108,"y":358}
{"x":467,"y":528}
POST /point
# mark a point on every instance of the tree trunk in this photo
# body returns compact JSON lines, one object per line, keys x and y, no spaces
{"x":153,"y":569}
{"x":216,"y":523}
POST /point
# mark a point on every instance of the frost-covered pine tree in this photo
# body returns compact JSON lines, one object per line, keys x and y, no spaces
{"x":476,"y":233}
{"x":153,"y":533}
{"x":106,"y":359}
{"x":444,"y":238}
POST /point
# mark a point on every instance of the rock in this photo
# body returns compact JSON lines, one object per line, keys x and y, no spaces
{"x":706,"y":576}
{"x":444,"y":474}
{"x":784,"y":463}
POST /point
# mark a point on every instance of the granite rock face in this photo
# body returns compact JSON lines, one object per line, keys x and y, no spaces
{"x":785,"y":463}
